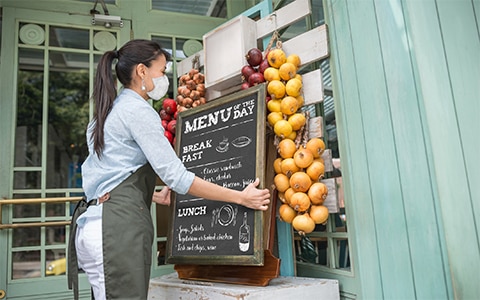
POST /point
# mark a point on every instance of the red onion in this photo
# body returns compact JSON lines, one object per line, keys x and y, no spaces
{"x":263,"y":65}
{"x":247,"y":70}
{"x":245,"y":85}
{"x":256,"y":78}
{"x":164,"y":115}
{"x":254,"y":57}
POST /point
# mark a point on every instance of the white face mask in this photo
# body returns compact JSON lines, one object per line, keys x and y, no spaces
{"x":160,"y":87}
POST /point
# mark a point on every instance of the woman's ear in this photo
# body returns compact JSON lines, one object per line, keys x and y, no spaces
{"x":141,"y":70}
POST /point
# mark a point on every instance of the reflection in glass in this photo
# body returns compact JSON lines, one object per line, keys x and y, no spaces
{"x":312,"y":250}
{"x":30,"y":60}
{"x":179,"y":46}
{"x":69,"y":37}
{"x":53,"y":254}
{"x":294,"y":30}
{"x":342,"y":254}
{"x":56,"y":263}
{"x":339,"y":220}
{"x":55,"y":209}
{"x":26,"y":180}
{"x":68,"y":117}
{"x":26,"y":210}
{"x":60,"y":61}
{"x":321,"y":227}
{"x":161,"y":252}
{"x":162,"y":219}
{"x":28,"y":133}
{"x":55,"y":235}
{"x":25,"y":264}
{"x":23,"y":237}
{"x":163,"y":214}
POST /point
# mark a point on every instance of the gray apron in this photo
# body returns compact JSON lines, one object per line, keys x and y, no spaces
{"x":127,"y":238}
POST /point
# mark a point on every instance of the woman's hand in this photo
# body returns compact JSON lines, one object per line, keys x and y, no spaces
{"x":255,"y":198}
{"x":162,"y":197}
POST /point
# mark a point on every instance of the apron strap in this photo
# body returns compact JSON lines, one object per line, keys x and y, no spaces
{"x":72,"y":264}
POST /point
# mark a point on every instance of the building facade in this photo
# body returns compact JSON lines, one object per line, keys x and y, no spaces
{"x":403,"y":77}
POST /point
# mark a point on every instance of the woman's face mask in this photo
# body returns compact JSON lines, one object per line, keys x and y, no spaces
{"x":160,"y":87}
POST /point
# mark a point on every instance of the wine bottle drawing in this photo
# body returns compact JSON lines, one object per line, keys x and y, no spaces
{"x":244,"y":235}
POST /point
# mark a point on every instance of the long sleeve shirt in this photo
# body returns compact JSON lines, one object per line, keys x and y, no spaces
{"x":133,"y":136}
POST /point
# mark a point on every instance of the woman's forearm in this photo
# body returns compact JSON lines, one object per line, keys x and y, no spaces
{"x":250,"y":197}
{"x":211,"y":191}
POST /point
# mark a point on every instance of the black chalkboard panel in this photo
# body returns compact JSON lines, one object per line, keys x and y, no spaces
{"x":222,"y":142}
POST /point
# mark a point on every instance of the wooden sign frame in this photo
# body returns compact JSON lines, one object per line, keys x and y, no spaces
{"x":190,"y":240}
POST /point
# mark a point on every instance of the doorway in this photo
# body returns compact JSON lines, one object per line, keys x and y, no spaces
{"x":52,"y":66}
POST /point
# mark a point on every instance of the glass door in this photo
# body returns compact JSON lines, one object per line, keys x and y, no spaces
{"x":54,"y":66}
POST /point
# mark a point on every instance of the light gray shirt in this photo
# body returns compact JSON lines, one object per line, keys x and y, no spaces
{"x":133,"y":136}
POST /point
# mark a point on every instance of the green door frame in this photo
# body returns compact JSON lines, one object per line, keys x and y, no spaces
{"x":40,"y":287}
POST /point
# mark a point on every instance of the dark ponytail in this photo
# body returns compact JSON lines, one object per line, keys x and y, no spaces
{"x":104,"y":93}
{"x":104,"y":89}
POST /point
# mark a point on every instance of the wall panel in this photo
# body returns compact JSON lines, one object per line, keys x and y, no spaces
{"x":444,"y":41}
{"x":428,"y":274}
{"x":406,"y":88}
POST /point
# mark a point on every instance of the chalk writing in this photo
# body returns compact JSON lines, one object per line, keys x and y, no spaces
{"x":219,"y":144}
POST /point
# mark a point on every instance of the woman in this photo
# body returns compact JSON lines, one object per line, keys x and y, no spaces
{"x":114,"y":237}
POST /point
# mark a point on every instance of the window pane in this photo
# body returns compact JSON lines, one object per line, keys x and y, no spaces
{"x":342,"y":254}
{"x":29,"y":236}
{"x":56,"y":263}
{"x":163,"y":215}
{"x":318,"y":17}
{"x":26,"y":264}
{"x":26,"y":210}
{"x":321,"y":227}
{"x":28,"y":141}
{"x":28,"y":133}
{"x":340,"y":224}
{"x":294,"y":30}
{"x":55,"y":209}
{"x":55,"y":235}
{"x":69,"y":37}
{"x":62,"y":61}
{"x":312,"y":250}
{"x":26,"y":180}
{"x":161,"y":252}
{"x":67,"y":120}
{"x":180,"y":44}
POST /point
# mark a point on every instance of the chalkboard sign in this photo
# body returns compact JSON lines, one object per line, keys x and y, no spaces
{"x":222,"y":142}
